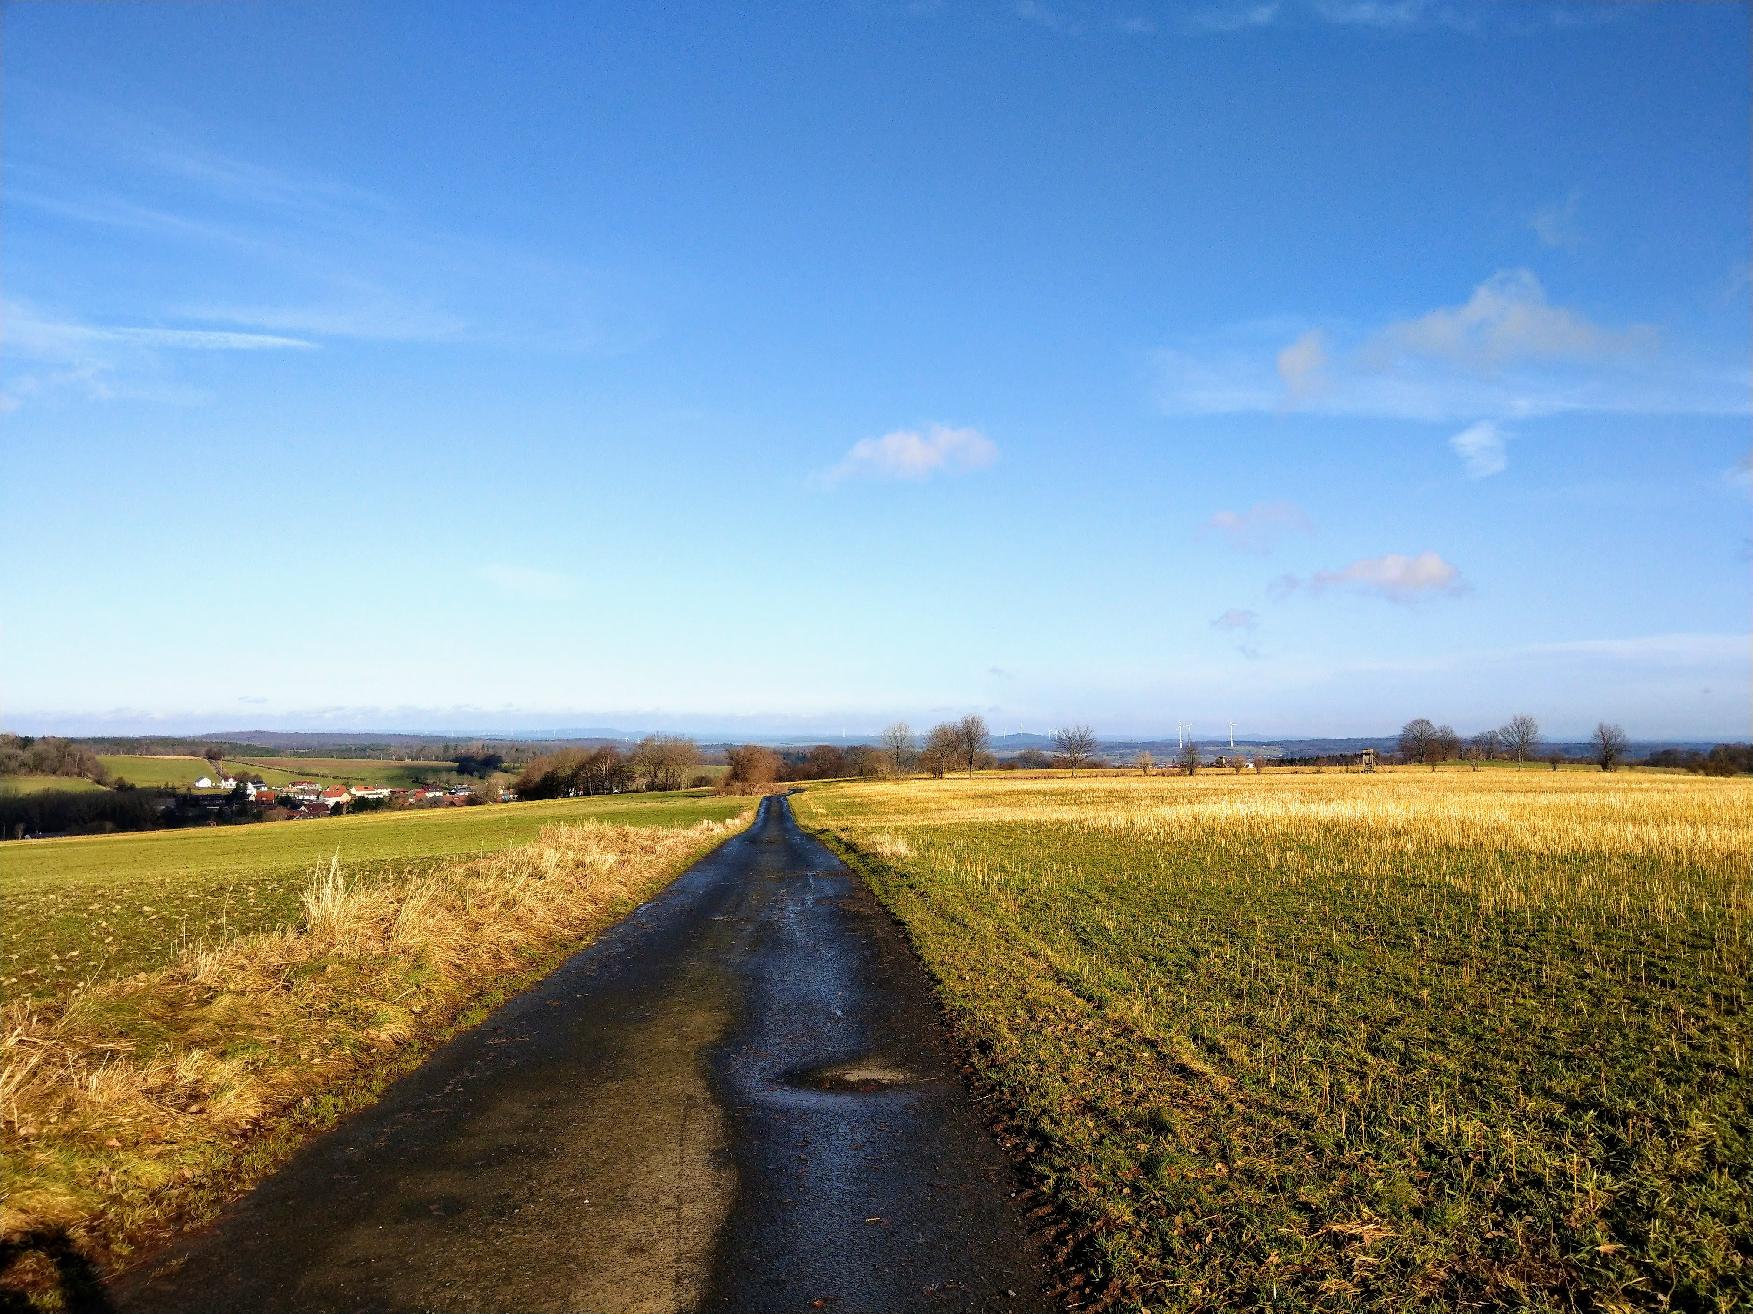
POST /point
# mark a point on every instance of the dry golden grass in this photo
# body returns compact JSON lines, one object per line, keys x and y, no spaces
{"x":133,"y":1101}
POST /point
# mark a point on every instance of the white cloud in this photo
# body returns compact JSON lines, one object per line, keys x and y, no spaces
{"x":1395,"y":577}
{"x":1556,"y":225}
{"x":1043,"y":15}
{"x":1481,"y":449}
{"x":1506,"y":352}
{"x":1232,"y":18}
{"x":915,"y":454}
{"x":375,"y":318}
{"x":1382,"y":15}
{"x":1372,"y":13}
{"x":35,"y":337}
{"x":1506,"y":320}
{"x":286,"y":253}
{"x":1301,"y":366}
{"x":109,"y":361}
{"x":1261,"y":526}
{"x":526,"y":582}
{"x":1237,"y":618}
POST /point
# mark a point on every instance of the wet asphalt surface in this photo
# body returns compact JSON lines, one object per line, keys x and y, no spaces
{"x":741,"y":1098}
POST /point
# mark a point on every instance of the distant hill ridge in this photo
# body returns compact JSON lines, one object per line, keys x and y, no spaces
{"x":279,"y":743}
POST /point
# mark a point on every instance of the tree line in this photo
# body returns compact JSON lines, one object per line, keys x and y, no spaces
{"x":79,"y":812}
{"x":657,"y":762}
{"x":26,"y":755}
{"x":950,"y":746}
{"x":964,"y":744}
{"x":1721,"y":760}
{"x":1518,"y":739}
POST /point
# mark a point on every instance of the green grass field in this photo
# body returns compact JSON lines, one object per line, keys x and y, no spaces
{"x":345,"y":771}
{"x":145,"y":1100}
{"x":1346,"y":1042}
{"x":105,"y":905}
{"x":183,"y":772}
{"x":44,"y":784}
{"x":156,"y":772}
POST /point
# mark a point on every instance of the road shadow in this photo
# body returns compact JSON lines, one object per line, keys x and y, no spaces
{"x":76,"y":1278}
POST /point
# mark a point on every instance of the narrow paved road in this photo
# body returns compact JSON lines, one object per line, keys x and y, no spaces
{"x":739,"y":1099}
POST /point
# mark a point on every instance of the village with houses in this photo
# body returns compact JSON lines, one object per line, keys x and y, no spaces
{"x":301,"y":799}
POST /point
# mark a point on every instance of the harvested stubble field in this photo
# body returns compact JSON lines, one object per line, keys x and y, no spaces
{"x":88,"y":907}
{"x":1409,"y":1040}
{"x":140,"y":1101}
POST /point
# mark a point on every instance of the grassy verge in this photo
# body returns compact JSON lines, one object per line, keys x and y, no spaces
{"x":88,"y":908}
{"x":140,"y":1103}
{"x":1351,"y":1042}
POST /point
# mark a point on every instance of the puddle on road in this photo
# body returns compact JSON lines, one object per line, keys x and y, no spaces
{"x":859,"y":1076}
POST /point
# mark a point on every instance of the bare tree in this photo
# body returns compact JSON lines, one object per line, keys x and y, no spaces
{"x":1609,"y":741}
{"x":823,"y":762}
{"x":943,"y":749}
{"x":897,"y":741}
{"x":973,"y":740}
{"x":1521,"y":736}
{"x":662,"y":761}
{"x":1144,"y":762}
{"x":1482,"y":747}
{"x":1420,"y":741}
{"x":752,"y":768}
{"x":1075,"y":745}
{"x":1416,"y":738}
{"x":863,"y":760}
{"x":1188,"y":758}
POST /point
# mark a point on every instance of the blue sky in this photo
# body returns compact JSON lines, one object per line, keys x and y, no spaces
{"x":449,"y":366}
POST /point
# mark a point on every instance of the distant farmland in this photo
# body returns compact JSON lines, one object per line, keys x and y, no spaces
{"x":152,"y":772}
{"x":40,"y":784}
{"x":1411,"y":1040}
{"x":148,"y":772}
{"x":345,"y":771}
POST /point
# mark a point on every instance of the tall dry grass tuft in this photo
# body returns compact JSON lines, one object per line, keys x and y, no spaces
{"x":130,"y":1102}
